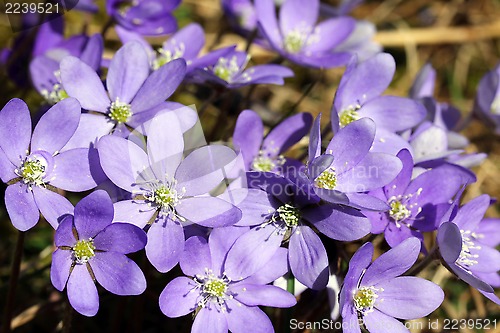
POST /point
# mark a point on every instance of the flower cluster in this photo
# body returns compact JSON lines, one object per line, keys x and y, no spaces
{"x":239,"y":214}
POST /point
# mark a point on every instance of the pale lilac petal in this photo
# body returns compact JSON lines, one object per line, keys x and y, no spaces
{"x":374,"y":171}
{"x":240,"y":317}
{"x":82,"y":292}
{"x":195,"y":258}
{"x":392,"y":263}
{"x":73,"y":171}
{"x":127,"y":71}
{"x":268,"y":24}
{"x":6,"y":168}
{"x":248,"y":135}
{"x":165,"y":144}
{"x":15,"y":130}
{"x":329,"y":34}
{"x":60,"y":268}
{"x":395,"y":235}
{"x":367,"y":202}
{"x":408,"y":297}
{"x":308,"y":259}
{"x":52,"y":205}
{"x":275,"y":268}
{"x":165,"y":244}
{"x":491,"y":296}
{"x":294,"y":14}
{"x":314,"y":148}
{"x":56,"y":126}
{"x":287,"y":133}
{"x":123,"y":161}
{"x":179,"y":297}
{"x":254,"y":205}
{"x":203,"y":169}
{"x":338,"y":222}
{"x":378,"y":322}
{"x":159,"y":85}
{"x":118,"y":274}
{"x":90,"y":129}
{"x":21,"y":206}
{"x":403,"y":178}
{"x":92,"y":214}
{"x":92,"y":54}
{"x":209,"y":319}
{"x":394,"y":113}
{"x":490,"y":229}
{"x":470,"y":214}
{"x":488,"y":259}
{"x":350,"y":321}
{"x":136,"y":212}
{"x":252,"y":251}
{"x":83,"y":83}
{"x":209,"y":211}
{"x":253,"y":295}
{"x":220,"y":241}
{"x":356,"y":88}
{"x":470,"y":278}
{"x":64,"y":234}
{"x":120,"y":237}
{"x":348,"y":152}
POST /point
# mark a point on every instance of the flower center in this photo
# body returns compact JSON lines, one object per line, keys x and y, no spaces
{"x":32,"y":171}
{"x":364,"y":299}
{"x":348,"y":116}
{"x":466,"y":258}
{"x":166,"y":56}
{"x":265,"y":163}
{"x":288,"y":214}
{"x":120,"y":111}
{"x":295,"y":40}
{"x":83,"y":250}
{"x":399,"y":211}
{"x":56,"y":95}
{"x":165,"y":197}
{"x":226,"y":69}
{"x":327,"y":179}
{"x":212,"y":289}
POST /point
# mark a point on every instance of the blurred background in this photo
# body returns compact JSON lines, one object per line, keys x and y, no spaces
{"x":460,"y":38}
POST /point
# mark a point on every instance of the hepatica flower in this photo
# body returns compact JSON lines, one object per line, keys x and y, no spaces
{"x":133,"y":93}
{"x":229,"y":71}
{"x":416,"y":205}
{"x":297,"y":37}
{"x":375,"y":291}
{"x":32,"y":164}
{"x":219,"y":300}
{"x":467,"y":245}
{"x":90,"y":248}
{"x":267,"y":154}
{"x":487,"y":102}
{"x":168,"y":190}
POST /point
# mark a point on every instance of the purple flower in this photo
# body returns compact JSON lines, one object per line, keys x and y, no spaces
{"x":266,"y":154}
{"x":31,"y":163}
{"x":348,"y":168}
{"x":359,"y":95}
{"x":378,"y":294}
{"x":44,"y":69}
{"x":165,"y":183}
{"x":416,"y":205}
{"x":186,"y":43}
{"x":147,"y":17}
{"x":281,"y":211}
{"x":487,"y":102}
{"x":220,"y":300}
{"x":229,"y":71}
{"x":133,"y":94}
{"x":297,"y":37}
{"x":241,"y":14}
{"x":90,"y":248}
{"x":467,"y":244}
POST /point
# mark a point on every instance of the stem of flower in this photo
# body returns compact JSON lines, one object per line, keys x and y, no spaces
{"x":290,"y":287}
{"x":424,"y":263}
{"x":68,"y":317}
{"x":14,"y":276}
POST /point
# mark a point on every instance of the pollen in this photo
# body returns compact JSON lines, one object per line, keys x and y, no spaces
{"x":265,"y":163}
{"x":164,"y":196}
{"x":165,"y":56}
{"x":83,"y":250}
{"x":56,"y":95}
{"x":364,"y":299}
{"x":327,"y":179}
{"x":289,"y":215}
{"x":216,"y":288}
{"x":399,"y":211}
{"x":32,"y":171}
{"x":226,"y":68}
{"x":120,"y":111}
{"x":348,"y":116}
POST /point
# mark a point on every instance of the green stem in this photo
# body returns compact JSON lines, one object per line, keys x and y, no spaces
{"x":14,"y":276}
{"x":424,"y":263}
{"x":290,"y":287}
